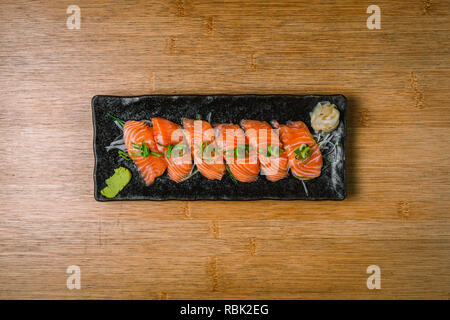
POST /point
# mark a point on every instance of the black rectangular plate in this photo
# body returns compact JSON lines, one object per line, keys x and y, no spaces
{"x":224,"y":109}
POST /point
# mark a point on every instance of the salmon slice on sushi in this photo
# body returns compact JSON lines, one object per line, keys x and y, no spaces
{"x":305,"y":158}
{"x":239,"y":156}
{"x":262,"y":138}
{"x":142,"y":148}
{"x":170,"y":140}
{"x":201,"y":140}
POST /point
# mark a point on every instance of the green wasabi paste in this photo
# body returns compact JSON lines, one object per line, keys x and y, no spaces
{"x":116,"y":182}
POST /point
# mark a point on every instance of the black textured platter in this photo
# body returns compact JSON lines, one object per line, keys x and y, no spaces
{"x":224,"y":109}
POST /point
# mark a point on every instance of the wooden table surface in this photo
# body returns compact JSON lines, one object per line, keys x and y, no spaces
{"x":396,"y":216}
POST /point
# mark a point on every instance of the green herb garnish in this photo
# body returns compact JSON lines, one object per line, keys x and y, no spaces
{"x":117,"y":119}
{"x":231,"y":174}
{"x":156,"y":154}
{"x":230,"y":152}
{"x":205,"y":148}
{"x":198,"y":117}
{"x":172,"y":147}
{"x":274,"y":150}
{"x":178,"y":149}
{"x":303,"y":152}
{"x":144,"y":150}
{"x":241,"y":151}
{"x":210,"y":150}
{"x":124,"y":155}
{"x":169,"y":150}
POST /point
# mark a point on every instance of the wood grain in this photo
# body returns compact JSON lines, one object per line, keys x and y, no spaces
{"x":397,"y":214}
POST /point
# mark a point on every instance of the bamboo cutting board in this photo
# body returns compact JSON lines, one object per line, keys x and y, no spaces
{"x":396,"y":215}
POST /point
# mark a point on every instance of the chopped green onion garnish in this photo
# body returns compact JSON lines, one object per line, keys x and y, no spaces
{"x":145,"y":150}
{"x":272,"y":151}
{"x":178,"y":149}
{"x":117,"y":119}
{"x":210,"y":150}
{"x":206,"y":150}
{"x":169,"y":150}
{"x":199,"y":117}
{"x":231,"y":175}
{"x":306,"y":153}
{"x":230,"y":152}
{"x":269,"y":150}
{"x":124,"y":155}
{"x":156,"y":154}
{"x":303,"y":152}
{"x":242,"y":150}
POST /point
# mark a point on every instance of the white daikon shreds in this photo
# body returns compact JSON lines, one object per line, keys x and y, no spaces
{"x":304,"y":186}
{"x":117,"y":144}
{"x":118,"y":147}
{"x":318,"y":137}
{"x":326,"y":138}
{"x":119,"y":141}
{"x":327,"y":141}
{"x":333,"y":148}
{"x":121,"y":160}
{"x":327,"y":147}
{"x":118,"y":125}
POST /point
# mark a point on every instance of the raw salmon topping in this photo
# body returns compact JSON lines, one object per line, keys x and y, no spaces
{"x":171,"y":141}
{"x":272,"y":156}
{"x":201,"y":140}
{"x":305,"y":158}
{"x":239,"y":156}
{"x":141,"y":146}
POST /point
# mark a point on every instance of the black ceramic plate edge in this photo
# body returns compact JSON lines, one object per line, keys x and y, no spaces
{"x":343,"y":196}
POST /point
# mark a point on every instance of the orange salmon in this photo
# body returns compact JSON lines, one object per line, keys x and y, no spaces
{"x":207,"y":157}
{"x":274,"y":161}
{"x":170,"y":140}
{"x":305,"y":158}
{"x":240,"y":158}
{"x":141,"y":146}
